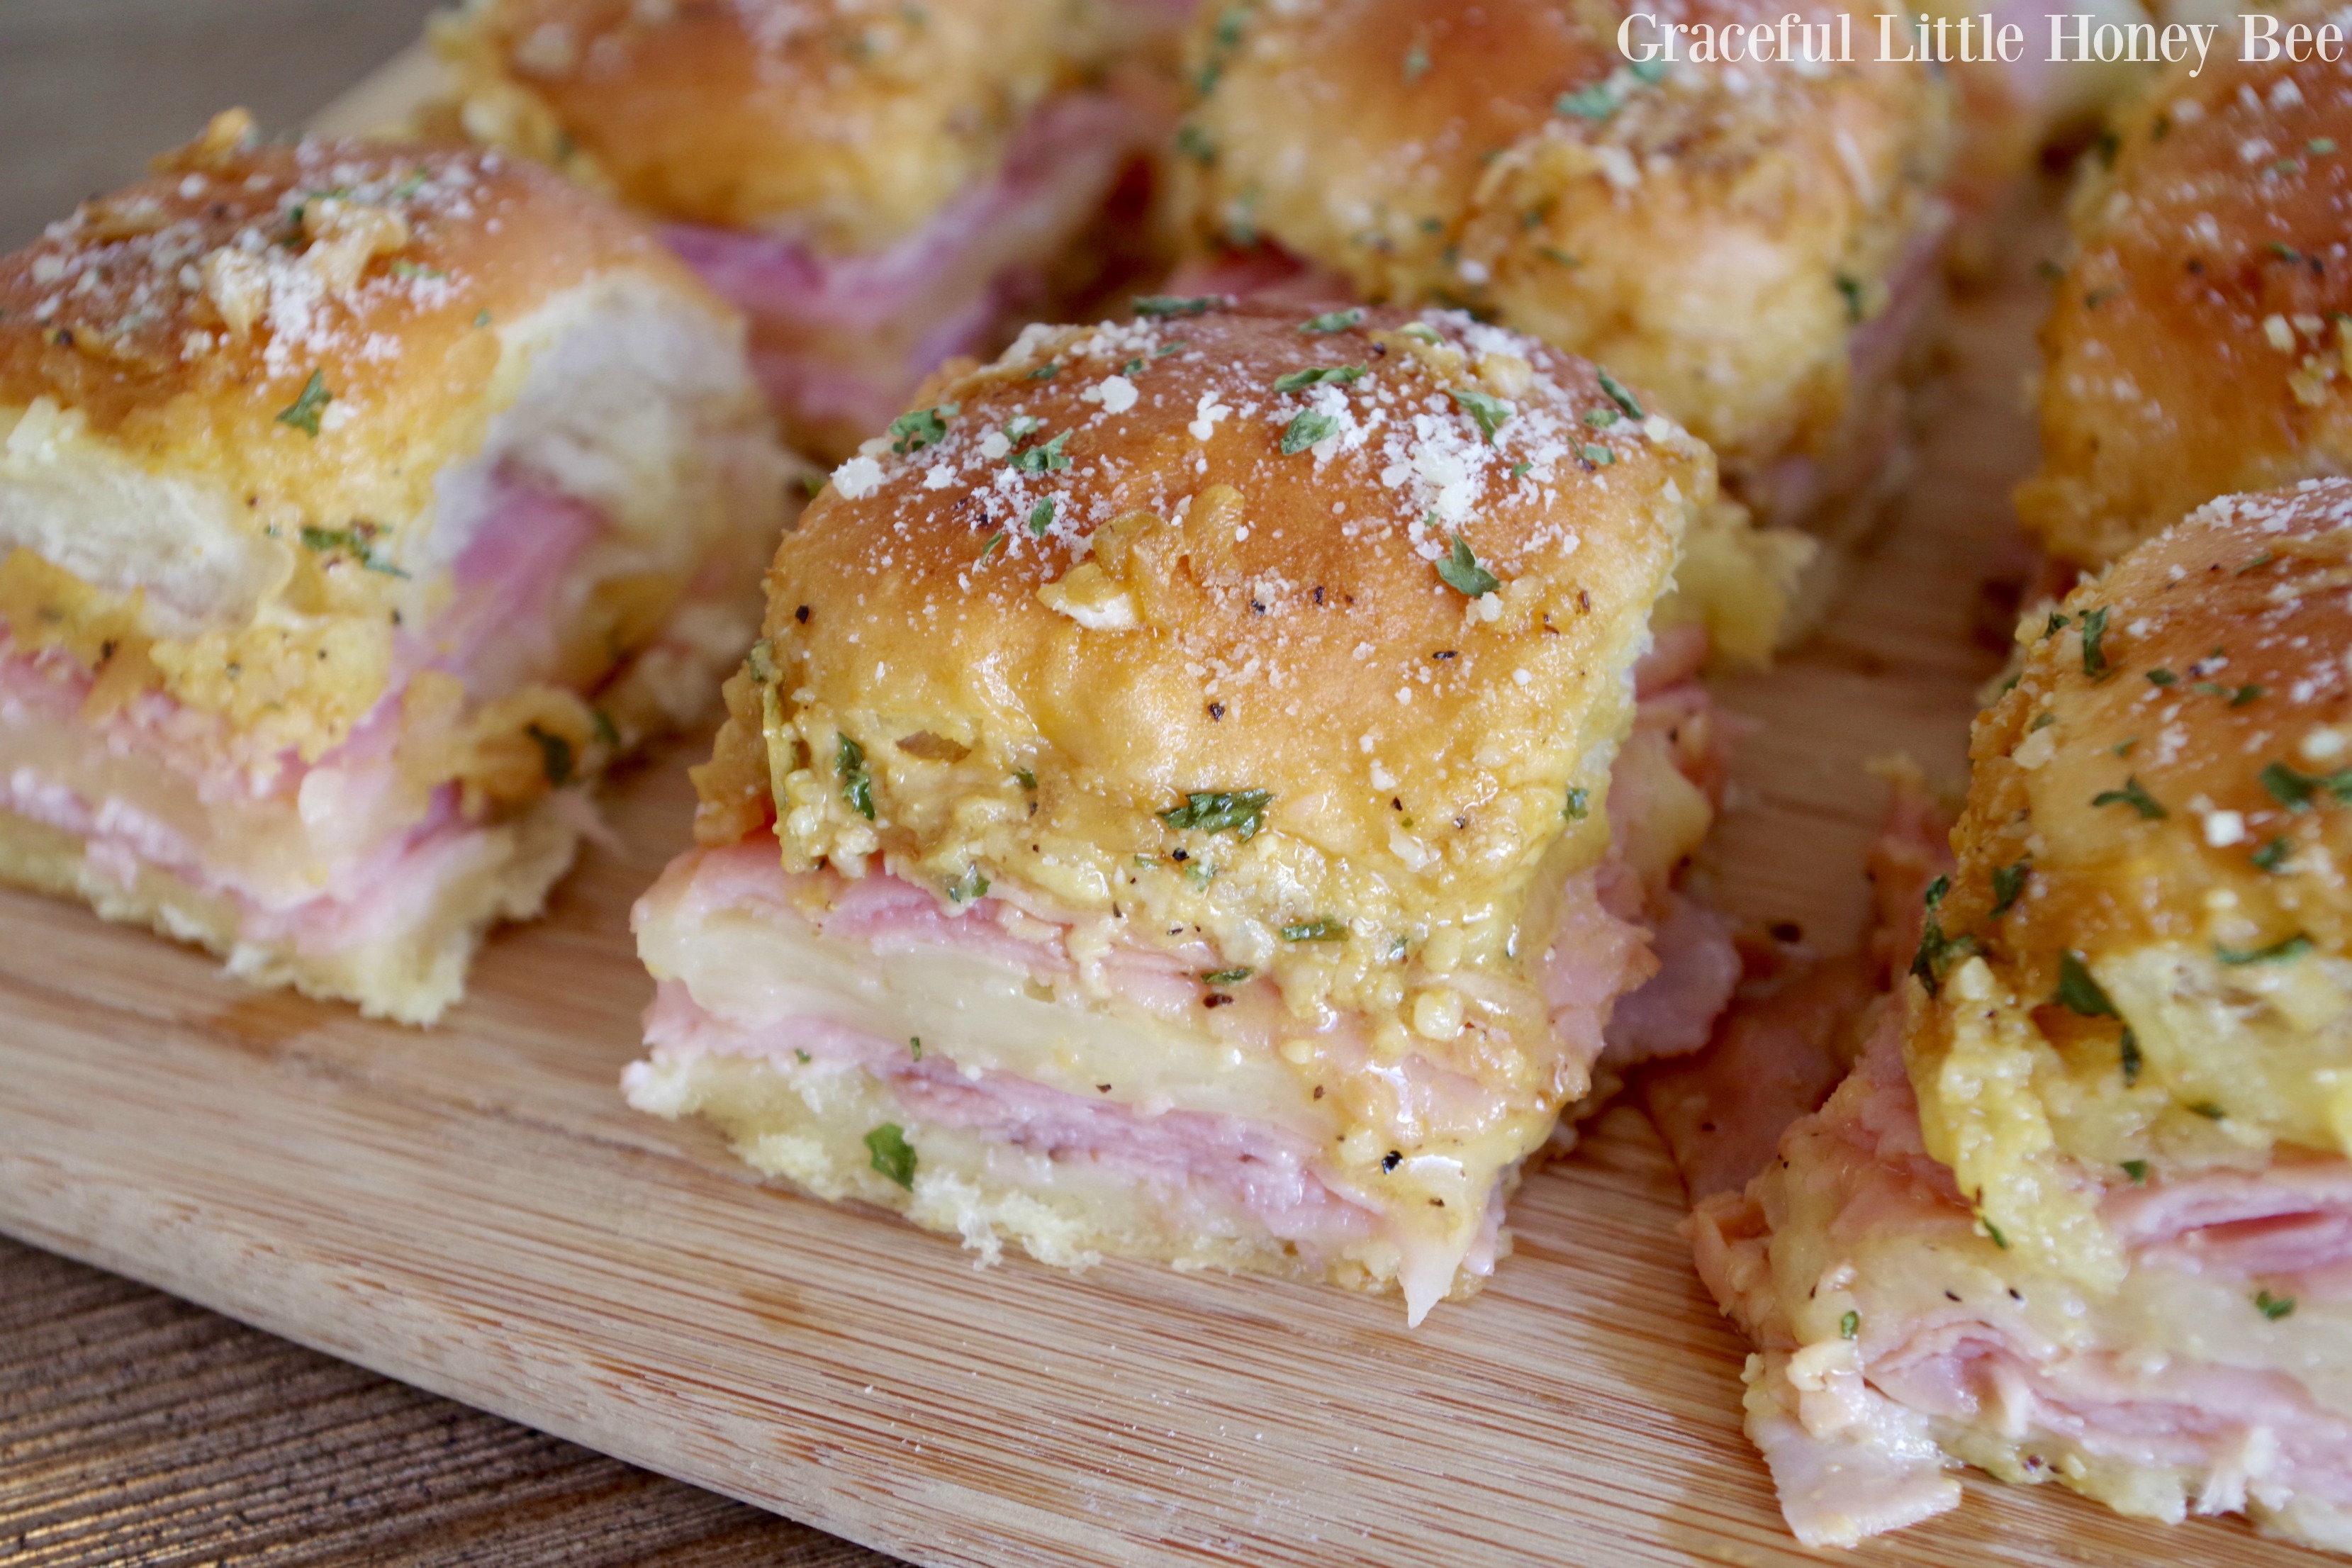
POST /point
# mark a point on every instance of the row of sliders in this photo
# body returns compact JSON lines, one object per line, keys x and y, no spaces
{"x":1215,"y":784}
{"x":2082,"y":1211}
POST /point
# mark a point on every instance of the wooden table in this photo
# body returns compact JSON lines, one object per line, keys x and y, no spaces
{"x":136,"y":1428}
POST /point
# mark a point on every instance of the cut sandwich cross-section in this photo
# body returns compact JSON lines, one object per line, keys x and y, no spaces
{"x":1195,"y":798}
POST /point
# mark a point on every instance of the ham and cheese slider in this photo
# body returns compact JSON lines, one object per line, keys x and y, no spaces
{"x":357,"y":501}
{"x":2084,"y":1212}
{"x":1756,"y":243}
{"x":2197,"y":346}
{"x":1206,"y":781}
{"x":877,"y":185}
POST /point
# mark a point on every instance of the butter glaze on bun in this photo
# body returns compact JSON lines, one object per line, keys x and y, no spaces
{"x":2196,"y":346}
{"x":1722,"y":235}
{"x":2170,"y":772}
{"x":1088,"y":582}
{"x":850,"y":120}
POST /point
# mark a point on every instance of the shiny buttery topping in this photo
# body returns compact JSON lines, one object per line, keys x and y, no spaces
{"x":1720,"y":233}
{"x":849,"y":121}
{"x":2196,"y":344}
{"x":2140,"y":962}
{"x":1302,"y":637}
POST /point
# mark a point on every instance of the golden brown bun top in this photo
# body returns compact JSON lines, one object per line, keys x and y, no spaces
{"x":1718,"y":235}
{"x":849,"y":120}
{"x":2196,"y":347}
{"x":183,"y":319}
{"x":1091,"y":584}
{"x":2161,"y":812}
{"x":2220,"y":652}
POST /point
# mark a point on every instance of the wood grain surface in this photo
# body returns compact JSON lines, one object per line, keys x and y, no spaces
{"x":473,"y":1210}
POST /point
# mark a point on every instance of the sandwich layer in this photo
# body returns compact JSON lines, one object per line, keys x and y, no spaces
{"x":357,"y":503}
{"x":1196,"y":775}
{"x":2080,"y":1214}
{"x":2195,"y":346}
{"x":1755,"y":247}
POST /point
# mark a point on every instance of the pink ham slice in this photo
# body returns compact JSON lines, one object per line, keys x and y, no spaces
{"x":817,"y":319}
{"x":498,"y":629}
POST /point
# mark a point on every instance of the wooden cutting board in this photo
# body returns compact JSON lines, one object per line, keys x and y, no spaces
{"x":473,"y":1209}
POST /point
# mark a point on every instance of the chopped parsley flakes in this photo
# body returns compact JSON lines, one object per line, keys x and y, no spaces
{"x":1580,"y":803}
{"x":2293,"y":790}
{"x":1333,"y":321}
{"x":1461,"y":572}
{"x":892,"y":1155}
{"x":2134,"y":795}
{"x":2078,"y":993}
{"x":554,"y":755}
{"x":2272,"y":855}
{"x":2279,"y":951}
{"x":1040,"y":518}
{"x":309,"y":403}
{"x":1232,"y":976}
{"x":1048,"y":459}
{"x":2008,"y":883}
{"x":2127,"y":1052}
{"x":1322,"y":928}
{"x":1321,"y":375}
{"x":2137,"y":1171}
{"x":1617,"y":392}
{"x":857,"y":784}
{"x":1238,"y":812}
{"x":2273,"y":1307}
{"x":923,"y":427}
{"x":2095,"y":633}
{"x":1491,"y":413}
{"x":1307,"y":429}
{"x":1165,"y":306}
{"x":1850,"y":1325}
{"x":972,"y":886}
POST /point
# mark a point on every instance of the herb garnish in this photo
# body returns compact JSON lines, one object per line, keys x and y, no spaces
{"x":1164,"y":306}
{"x":973,"y":885}
{"x":2129,"y":1053}
{"x":1491,"y":413}
{"x":922,"y":428}
{"x":2272,"y":855}
{"x":1617,"y":392}
{"x":2137,"y":1171}
{"x":1232,"y":976}
{"x":1322,"y":928}
{"x":2279,"y":951}
{"x":1599,"y":457}
{"x":2293,"y":790}
{"x":893,"y":1157}
{"x":1580,"y":803}
{"x":2273,"y":1307}
{"x":2163,"y":678}
{"x":1048,"y":459}
{"x":1306,"y":430}
{"x":1850,"y":286}
{"x":1461,"y":572}
{"x":554,"y":755}
{"x":857,"y":784}
{"x":2095,"y":632}
{"x":2078,"y":993}
{"x":1040,"y":518}
{"x":1850,"y":1325}
{"x":2008,"y":883}
{"x":1238,"y":812}
{"x":2134,"y":795}
{"x":1321,"y":375}
{"x":303,"y":413}
{"x":1333,"y":321}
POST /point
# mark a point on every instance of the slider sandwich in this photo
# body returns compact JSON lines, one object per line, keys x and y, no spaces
{"x":1211,"y":788}
{"x":2083,"y":1211}
{"x":1758,"y":244}
{"x":357,"y":503}
{"x":877,"y":185}
{"x":2197,"y":343}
